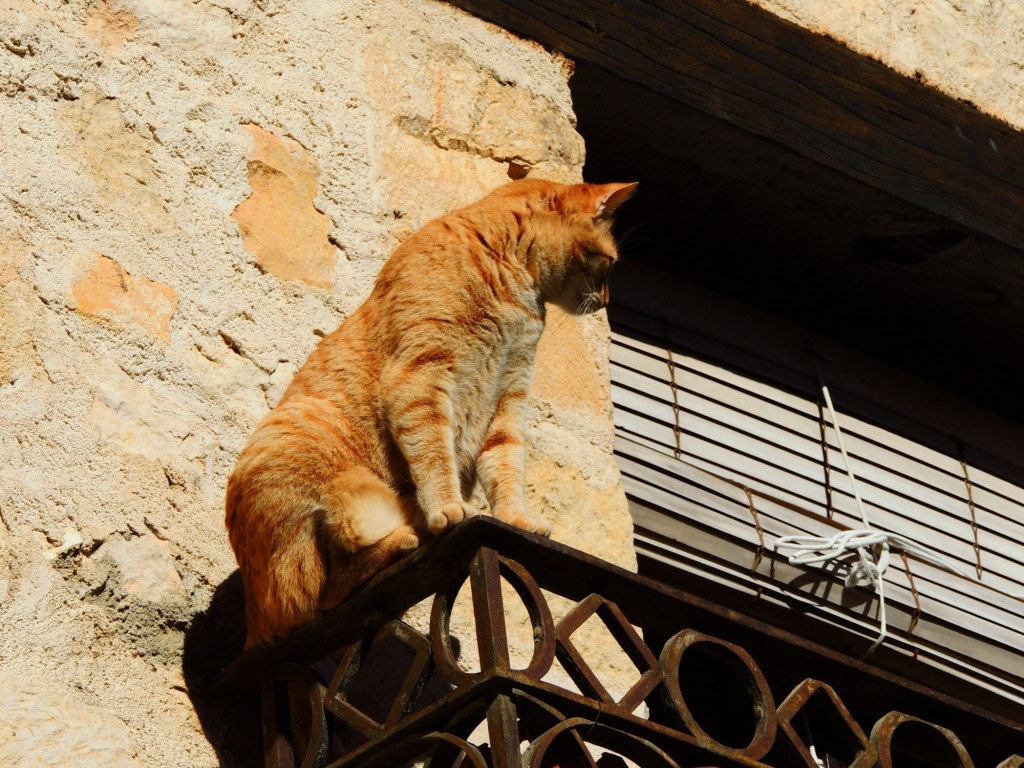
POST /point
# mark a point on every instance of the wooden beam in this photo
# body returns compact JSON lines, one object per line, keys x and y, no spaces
{"x":810,"y":93}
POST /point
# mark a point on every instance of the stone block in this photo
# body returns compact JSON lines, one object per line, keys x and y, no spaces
{"x":141,"y":338}
{"x":114,"y":156}
{"x":145,"y":567}
{"x":109,"y":25}
{"x":136,"y":419}
{"x":967,"y":50}
{"x":103,"y":288}
{"x":42,"y":724}
{"x":19,"y":309}
{"x":279,"y":221}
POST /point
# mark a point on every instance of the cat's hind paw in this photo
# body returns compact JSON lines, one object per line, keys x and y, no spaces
{"x":449,"y":515}
{"x":532,"y":524}
{"x":406,"y":540}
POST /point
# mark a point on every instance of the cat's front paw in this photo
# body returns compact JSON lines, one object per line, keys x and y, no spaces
{"x":449,"y":515}
{"x":531,"y":524}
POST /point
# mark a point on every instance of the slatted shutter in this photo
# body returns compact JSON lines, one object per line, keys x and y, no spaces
{"x":718,"y":463}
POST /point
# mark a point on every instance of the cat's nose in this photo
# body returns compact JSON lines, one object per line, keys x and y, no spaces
{"x":604,"y":295}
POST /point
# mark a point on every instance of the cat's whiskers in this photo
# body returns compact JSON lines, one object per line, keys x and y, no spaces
{"x":558,"y":326}
{"x":592,"y":299}
{"x":625,"y":240}
{"x":589,"y":304}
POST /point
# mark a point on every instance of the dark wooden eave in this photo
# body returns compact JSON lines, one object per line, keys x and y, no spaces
{"x":808,"y":92}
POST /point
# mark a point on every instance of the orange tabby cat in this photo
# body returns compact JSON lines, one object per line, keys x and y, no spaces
{"x":384,"y":429}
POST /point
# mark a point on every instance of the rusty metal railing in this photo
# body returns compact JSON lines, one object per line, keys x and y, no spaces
{"x":705,"y":690}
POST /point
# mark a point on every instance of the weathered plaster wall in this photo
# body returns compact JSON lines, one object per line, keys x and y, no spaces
{"x":193,"y":193}
{"x":970,"y":49}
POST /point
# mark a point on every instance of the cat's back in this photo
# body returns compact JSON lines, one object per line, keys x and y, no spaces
{"x":465,"y":267}
{"x":340,"y":369}
{"x":456,"y":287}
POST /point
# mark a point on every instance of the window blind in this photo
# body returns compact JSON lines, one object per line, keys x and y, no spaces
{"x":718,"y":464}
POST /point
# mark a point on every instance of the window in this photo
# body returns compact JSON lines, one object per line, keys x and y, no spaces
{"x":743,"y":263}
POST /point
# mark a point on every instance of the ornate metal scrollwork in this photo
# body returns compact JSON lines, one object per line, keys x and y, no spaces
{"x":629,"y":641}
{"x":746,"y":670}
{"x":884,"y":733}
{"x":514,"y":717}
{"x":486,"y":572}
{"x":635,"y":748}
{"x":295,"y":689}
{"x":336,"y":700}
{"x":843,"y":724}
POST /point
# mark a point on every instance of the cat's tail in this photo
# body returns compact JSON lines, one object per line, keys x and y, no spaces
{"x":283,"y":569}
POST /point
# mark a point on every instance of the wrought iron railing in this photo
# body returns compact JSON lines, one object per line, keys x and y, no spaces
{"x":362,"y":688}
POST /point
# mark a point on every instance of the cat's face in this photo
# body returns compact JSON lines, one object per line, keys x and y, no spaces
{"x":577,"y":279}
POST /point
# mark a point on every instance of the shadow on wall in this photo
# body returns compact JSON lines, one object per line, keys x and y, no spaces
{"x":231,"y":722}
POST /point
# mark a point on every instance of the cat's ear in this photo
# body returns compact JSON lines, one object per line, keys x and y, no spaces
{"x":607,"y":197}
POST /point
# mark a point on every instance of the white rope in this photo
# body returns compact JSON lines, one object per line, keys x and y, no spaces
{"x":872,"y":547}
{"x":810,"y":740}
{"x":842,"y":444}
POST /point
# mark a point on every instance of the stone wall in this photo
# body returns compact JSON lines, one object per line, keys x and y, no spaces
{"x":194,"y":193}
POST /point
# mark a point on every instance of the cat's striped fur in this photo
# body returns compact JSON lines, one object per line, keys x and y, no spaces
{"x":380,"y":436}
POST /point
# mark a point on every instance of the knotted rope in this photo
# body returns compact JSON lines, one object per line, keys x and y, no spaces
{"x":871,"y":546}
